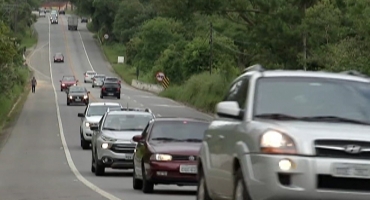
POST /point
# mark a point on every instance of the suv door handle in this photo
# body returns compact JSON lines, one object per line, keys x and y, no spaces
{"x":221,"y":137}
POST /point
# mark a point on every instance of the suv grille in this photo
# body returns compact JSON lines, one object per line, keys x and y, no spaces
{"x":337,"y":149}
{"x":123,"y":148}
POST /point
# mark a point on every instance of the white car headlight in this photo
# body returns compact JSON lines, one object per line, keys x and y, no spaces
{"x":105,"y":146}
{"x":63,"y":84}
{"x":74,"y":84}
{"x":70,"y":97}
{"x":109,"y":139}
{"x":276,"y":142}
{"x":87,"y":124}
{"x":161,"y":157}
{"x":85,"y":96}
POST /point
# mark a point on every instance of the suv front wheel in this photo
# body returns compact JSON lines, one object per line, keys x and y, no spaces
{"x":202,"y":191}
{"x":240,"y":190}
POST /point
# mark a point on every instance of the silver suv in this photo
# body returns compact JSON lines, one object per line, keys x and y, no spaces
{"x":112,"y":145}
{"x":90,"y":117}
{"x":289,"y":135}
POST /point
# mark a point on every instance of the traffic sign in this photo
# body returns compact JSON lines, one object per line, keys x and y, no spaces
{"x":160,"y":76}
{"x":106,"y":36}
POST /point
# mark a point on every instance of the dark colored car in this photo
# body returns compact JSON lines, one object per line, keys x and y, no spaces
{"x":84,"y":20}
{"x":168,"y":148}
{"x":77,"y":94}
{"x":54,"y":20}
{"x":112,"y":89}
{"x":67,"y":81}
{"x":58,"y":57}
{"x":112,"y":79}
{"x":62,"y":12}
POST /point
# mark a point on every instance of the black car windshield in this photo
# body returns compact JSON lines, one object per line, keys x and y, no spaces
{"x":127,"y":121}
{"x":69,"y":78}
{"x":111,"y":84}
{"x":313,"y":98}
{"x":99,"y":110}
{"x":77,"y":90}
{"x":178,"y":131}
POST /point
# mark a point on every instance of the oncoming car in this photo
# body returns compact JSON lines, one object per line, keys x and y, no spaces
{"x":67,"y":81}
{"x":112,"y":145}
{"x":167,"y":152}
{"x":98,"y":80}
{"x":77,"y":94}
{"x":58,"y":57}
{"x":91,"y":117}
{"x":88,"y":76}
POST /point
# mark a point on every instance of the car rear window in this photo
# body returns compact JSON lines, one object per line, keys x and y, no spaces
{"x":179,"y":130}
{"x":111,"y":85}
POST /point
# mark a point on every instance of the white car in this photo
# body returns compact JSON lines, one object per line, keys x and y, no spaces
{"x":92,"y":115}
{"x":89,"y":75}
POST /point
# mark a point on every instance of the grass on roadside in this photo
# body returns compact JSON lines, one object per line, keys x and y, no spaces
{"x":29,"y":38}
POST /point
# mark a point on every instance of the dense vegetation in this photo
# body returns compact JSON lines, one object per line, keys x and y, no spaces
{"x":173,"y":36}
{"x":15,"y":34}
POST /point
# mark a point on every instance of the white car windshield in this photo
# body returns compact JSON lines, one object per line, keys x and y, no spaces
{"x":126,"y":122}
{"x":99,"y":110}
{"x":319,"y":98}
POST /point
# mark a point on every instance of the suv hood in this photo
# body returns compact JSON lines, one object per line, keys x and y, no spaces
{"x":176,"y":148}
{"x":93,"y":119}
{"x":305,"y":133}
{"x":122,"y":135}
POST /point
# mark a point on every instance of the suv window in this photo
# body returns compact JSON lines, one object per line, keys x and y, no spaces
{"x":238,"y":91}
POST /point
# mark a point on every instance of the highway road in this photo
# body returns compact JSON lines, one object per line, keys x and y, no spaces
{"x":42,"y":158}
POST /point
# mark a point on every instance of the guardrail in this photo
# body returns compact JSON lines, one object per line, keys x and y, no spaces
{"x":155,"y":88}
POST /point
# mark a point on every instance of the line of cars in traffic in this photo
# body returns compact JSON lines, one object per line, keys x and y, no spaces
{"x":276,"y":135}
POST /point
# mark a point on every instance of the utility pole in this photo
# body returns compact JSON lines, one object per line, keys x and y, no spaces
{"x":211,"y":48}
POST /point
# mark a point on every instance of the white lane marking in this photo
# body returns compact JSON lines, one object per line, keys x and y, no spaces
{"x":28,"y":61}
{"x":71,"y":164}
{"x":38,"y":49}
{"x":83,"y":46}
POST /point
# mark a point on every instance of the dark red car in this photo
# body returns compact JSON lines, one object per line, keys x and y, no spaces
{"x":58,"y":57}
{"x":67,"y":81}
{"x":168,"y":148}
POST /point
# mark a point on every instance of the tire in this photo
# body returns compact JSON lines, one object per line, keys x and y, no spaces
{"x":137,"y":184}
{"x":119,"y":97}
{"x":202,"y":191}
{"x":68,"y":103}
{"x":84,"y":81}
{"x":92,"y":162}
{"x":148,"y":186}
{"x":101,"y":96}
{"x":93,"y":86}
{"x":61,"y":89}
{"x":84,"y":144}
{"x":240,"y":186}
{"x":99,"y":168}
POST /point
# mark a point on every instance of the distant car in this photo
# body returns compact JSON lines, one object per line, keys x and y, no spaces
{"x":111,"y":144}
{"x":53,"y":16}
{"x":58,"y":57}
{"x":84,"y":20}
{"x":88,"y":76}
{"x":77,"y":94}
{"x":62,"y":12}
{"x":98,"y":80}
{"x":168,"y":148}
{"x":54,"y":20}
{"x":42,"y":14}
{"x":112,"y":89}
{"x":47,"y":10}
{"x":67,"y":81}
{"x":112,"y":79}
{"x":91,"y":117}
{"x":54,"y":12}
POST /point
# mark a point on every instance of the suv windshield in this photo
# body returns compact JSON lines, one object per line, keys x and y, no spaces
{"x":99,"y":110}
{"x":129,"y":122}
{"x":77,"y":89}
{"x":179,"y":131}
{"x":320,"y":98}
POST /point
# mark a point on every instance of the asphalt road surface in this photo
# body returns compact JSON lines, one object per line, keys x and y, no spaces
{"x":42,"y":158}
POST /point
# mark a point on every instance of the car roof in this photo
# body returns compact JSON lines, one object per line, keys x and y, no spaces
{"x":104,"y":104}
{"x":90,"y":71}
{"x":121,"y":112}
{"x":58,"y":53}
{"x":69,"y":76}
{"x":179,"y":119}
{"x":77,"y":86}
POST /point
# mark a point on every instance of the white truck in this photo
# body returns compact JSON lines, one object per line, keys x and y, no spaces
{"x":72,"y":23}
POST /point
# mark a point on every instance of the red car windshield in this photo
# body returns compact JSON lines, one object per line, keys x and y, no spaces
{"x":69,"y":79}
{"x":178,"y":131}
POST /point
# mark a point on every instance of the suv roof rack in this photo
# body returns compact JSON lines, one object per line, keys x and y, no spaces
{"x":354,"y":73}
{"x":256,"y":67}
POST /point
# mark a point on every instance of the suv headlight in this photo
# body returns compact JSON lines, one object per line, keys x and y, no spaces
{"x":70,"y":97}
{"x":109,"y":139}
{"x":87,"y":124}
{"x":276,"y":142}
{"x":85,"y":96}
{"x":161,"y":157}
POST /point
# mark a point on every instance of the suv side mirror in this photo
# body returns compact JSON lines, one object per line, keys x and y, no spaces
{"x":137,"y":138}
{"x":80,"y":115}
{"x":229,"y":109}
{"x":94,"y":127}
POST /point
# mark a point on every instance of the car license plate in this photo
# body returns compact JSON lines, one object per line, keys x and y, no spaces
{"x":351,"y":170}
{"x":78,"y":99}
{"x":188,"y":169}
{"x":110,"y":93}
{"x":129,"y":156}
